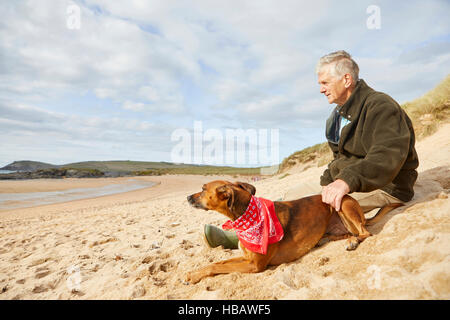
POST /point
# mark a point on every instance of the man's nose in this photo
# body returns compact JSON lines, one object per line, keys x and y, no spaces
{"x":322,"y":89}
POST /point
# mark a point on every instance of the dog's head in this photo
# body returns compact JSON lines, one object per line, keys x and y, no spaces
{"x":230,"y":199}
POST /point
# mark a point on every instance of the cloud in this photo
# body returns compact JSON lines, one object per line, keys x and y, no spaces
{"x":28,"y":128}
{"x":112,"y":57}
{"x":135,"y":71}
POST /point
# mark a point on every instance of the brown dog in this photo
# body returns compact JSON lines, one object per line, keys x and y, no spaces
{"x":305,"y":221}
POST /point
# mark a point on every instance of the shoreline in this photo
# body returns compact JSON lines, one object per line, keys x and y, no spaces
{"x":56,"y":185}
{"x":165,"y":186}
{"x":48,"y":185}
{"x":16,"y":200}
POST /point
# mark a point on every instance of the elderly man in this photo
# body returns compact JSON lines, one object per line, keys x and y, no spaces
{"x":372,"y":140}
{"x":371,"y":137}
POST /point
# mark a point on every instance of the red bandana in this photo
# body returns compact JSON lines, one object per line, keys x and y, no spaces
{"x":258,"y":226}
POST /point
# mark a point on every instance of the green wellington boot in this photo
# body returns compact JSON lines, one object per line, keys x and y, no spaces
{"x":215,"y":237}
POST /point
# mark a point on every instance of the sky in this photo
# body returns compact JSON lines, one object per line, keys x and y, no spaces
{"x":168,"y":80}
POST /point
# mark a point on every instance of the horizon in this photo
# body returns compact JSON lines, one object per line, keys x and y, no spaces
{"x":93,"y":80}
{"x":174,"y":163}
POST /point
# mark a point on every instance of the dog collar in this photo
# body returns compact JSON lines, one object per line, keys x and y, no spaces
{"x":258,"y":226}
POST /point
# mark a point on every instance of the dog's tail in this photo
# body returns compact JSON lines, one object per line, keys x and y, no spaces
{"x":382,"y":212}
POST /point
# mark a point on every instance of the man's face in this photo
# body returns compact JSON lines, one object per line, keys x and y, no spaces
{"x":332,"y":87}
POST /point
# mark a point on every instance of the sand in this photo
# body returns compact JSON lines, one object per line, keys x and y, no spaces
{"x":140,"y":244}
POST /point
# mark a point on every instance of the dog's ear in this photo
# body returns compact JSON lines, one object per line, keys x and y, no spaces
{"x":246,"y":186}
{"x":225,"y":192}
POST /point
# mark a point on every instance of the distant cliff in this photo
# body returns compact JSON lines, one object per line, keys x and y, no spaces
{"x":120,"y":168}
{"x":29,"y":166}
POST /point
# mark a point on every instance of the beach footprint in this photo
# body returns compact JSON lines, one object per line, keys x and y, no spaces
{"x":41,"y":272}
{"x":157,"y":264}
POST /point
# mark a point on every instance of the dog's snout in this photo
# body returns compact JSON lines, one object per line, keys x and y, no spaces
{"x":194,"y":201}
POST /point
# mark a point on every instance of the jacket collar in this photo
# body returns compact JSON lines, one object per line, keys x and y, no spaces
{"x":352,"y":107}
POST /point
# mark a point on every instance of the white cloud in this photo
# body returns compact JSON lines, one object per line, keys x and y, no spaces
{"x":149,"y":93}
{"x":242,"y":63}
{"x":134,"y":106}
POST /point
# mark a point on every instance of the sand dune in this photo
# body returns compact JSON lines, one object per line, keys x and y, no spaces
{"x":139,"y":245}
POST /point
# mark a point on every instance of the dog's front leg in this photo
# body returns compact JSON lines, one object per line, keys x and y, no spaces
{"x":240,"y":264}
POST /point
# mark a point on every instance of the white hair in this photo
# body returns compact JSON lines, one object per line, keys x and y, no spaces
{"x":342,"y":63}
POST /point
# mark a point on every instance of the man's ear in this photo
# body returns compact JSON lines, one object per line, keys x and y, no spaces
{"x":246,"y":186}
{"x":348,"y":80}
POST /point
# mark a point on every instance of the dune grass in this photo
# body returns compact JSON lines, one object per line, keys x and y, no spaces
{"x":431,"y":110}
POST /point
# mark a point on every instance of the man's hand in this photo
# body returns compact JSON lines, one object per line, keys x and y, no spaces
{"x":333,"y":193}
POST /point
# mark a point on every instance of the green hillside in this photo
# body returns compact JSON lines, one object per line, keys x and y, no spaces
{"x":158,"y":168}
{"x":27,"y":165}
{"x":114,"y":168}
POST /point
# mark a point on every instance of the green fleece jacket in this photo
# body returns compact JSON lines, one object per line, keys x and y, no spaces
{"x":376,"y":148}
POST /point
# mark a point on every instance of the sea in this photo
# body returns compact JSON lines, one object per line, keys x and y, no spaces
{"x":6,"y":171}
{"x":31,"y":199}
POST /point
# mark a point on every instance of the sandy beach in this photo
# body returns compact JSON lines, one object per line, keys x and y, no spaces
{"x":140,"y":244}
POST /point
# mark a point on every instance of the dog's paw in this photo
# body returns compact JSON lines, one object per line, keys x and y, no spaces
{"x":352,"y":244}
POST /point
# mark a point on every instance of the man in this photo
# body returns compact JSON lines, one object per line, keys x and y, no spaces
{"x":372,"y":140}
{"x":371,"y":137}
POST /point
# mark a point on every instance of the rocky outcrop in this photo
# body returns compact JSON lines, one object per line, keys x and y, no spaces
{"x":54,"y":173}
